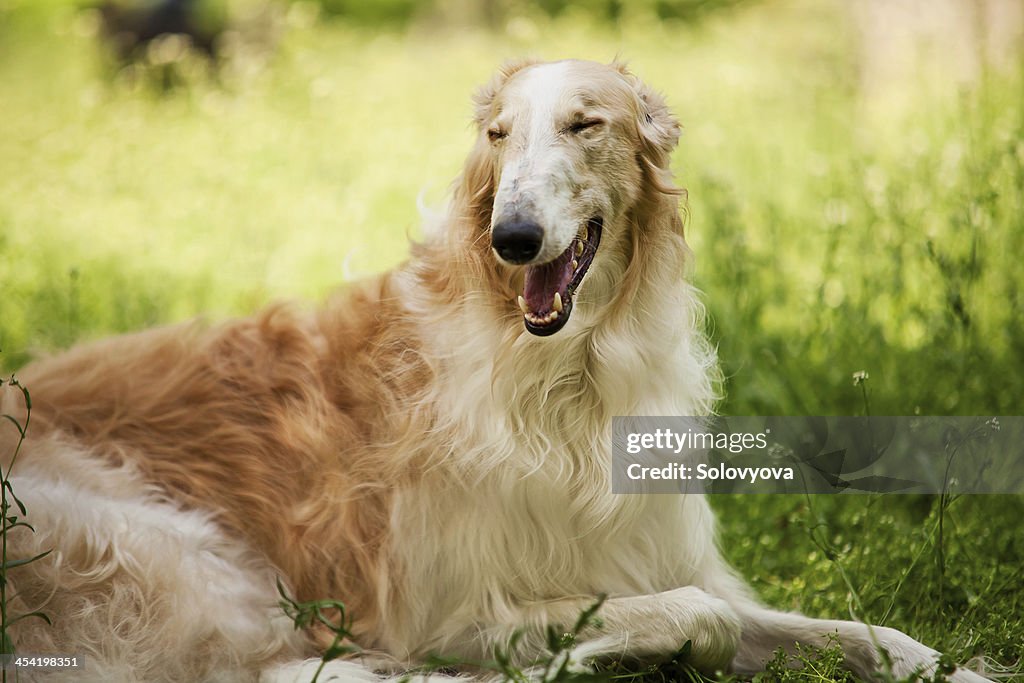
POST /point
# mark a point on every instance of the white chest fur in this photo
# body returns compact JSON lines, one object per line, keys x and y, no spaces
{"x":518,"y":509}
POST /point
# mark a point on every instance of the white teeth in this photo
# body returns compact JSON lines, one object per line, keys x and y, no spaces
{"x":551,"y":316}
{"x":542,"y":319}
{"x":579,"y":248}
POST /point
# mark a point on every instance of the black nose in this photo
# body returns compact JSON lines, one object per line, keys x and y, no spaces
{"x":517,"y":240}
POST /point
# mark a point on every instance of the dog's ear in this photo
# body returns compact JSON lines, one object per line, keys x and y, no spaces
{"x":658,"y":126}
{"x":483,"y":99}
{"x":658,"y":131}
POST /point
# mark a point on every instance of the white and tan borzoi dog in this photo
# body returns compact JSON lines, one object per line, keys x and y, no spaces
{"x":432,"y":447}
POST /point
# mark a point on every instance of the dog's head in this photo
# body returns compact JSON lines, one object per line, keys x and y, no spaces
{"x":566,"y":149}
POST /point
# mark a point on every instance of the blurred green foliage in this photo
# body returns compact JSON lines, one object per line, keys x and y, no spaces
{"x":379,"y":12}
{"x":492,"y":12}
{"x":844,"y":218}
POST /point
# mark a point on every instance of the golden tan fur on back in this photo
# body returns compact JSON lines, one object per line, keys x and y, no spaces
{"x":266,"y":421}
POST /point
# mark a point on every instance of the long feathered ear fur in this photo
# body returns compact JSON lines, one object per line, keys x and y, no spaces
{"x":659,"y":133}
{"x":474,"y":190}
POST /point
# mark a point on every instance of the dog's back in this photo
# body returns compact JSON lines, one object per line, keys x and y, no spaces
{"x":245,"y":442}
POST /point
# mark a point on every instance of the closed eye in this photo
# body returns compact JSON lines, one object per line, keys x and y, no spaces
{"x":495,"y":134}
{"x":580,"y":126}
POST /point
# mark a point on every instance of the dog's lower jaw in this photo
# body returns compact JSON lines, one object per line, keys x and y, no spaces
{"x":550,"y":288}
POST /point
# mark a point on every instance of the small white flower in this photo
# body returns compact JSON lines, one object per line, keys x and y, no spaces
{"x":860,"y":377}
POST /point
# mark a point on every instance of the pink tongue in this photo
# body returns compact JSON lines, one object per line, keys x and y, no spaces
{"x":543,"y":281}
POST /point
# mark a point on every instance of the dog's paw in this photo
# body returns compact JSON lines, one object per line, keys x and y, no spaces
{"x":709,"y":623}
{"x":908,"y":657}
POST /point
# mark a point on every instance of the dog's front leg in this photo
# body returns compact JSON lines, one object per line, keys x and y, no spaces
{"x":766,"y":630}
{"x":643,"y":626}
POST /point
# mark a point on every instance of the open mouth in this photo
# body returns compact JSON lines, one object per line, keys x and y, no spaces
{"x":546,"y":301}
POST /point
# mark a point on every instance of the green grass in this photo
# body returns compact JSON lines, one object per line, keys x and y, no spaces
{"x":12,"y":514}
{"x":843,"y":221}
